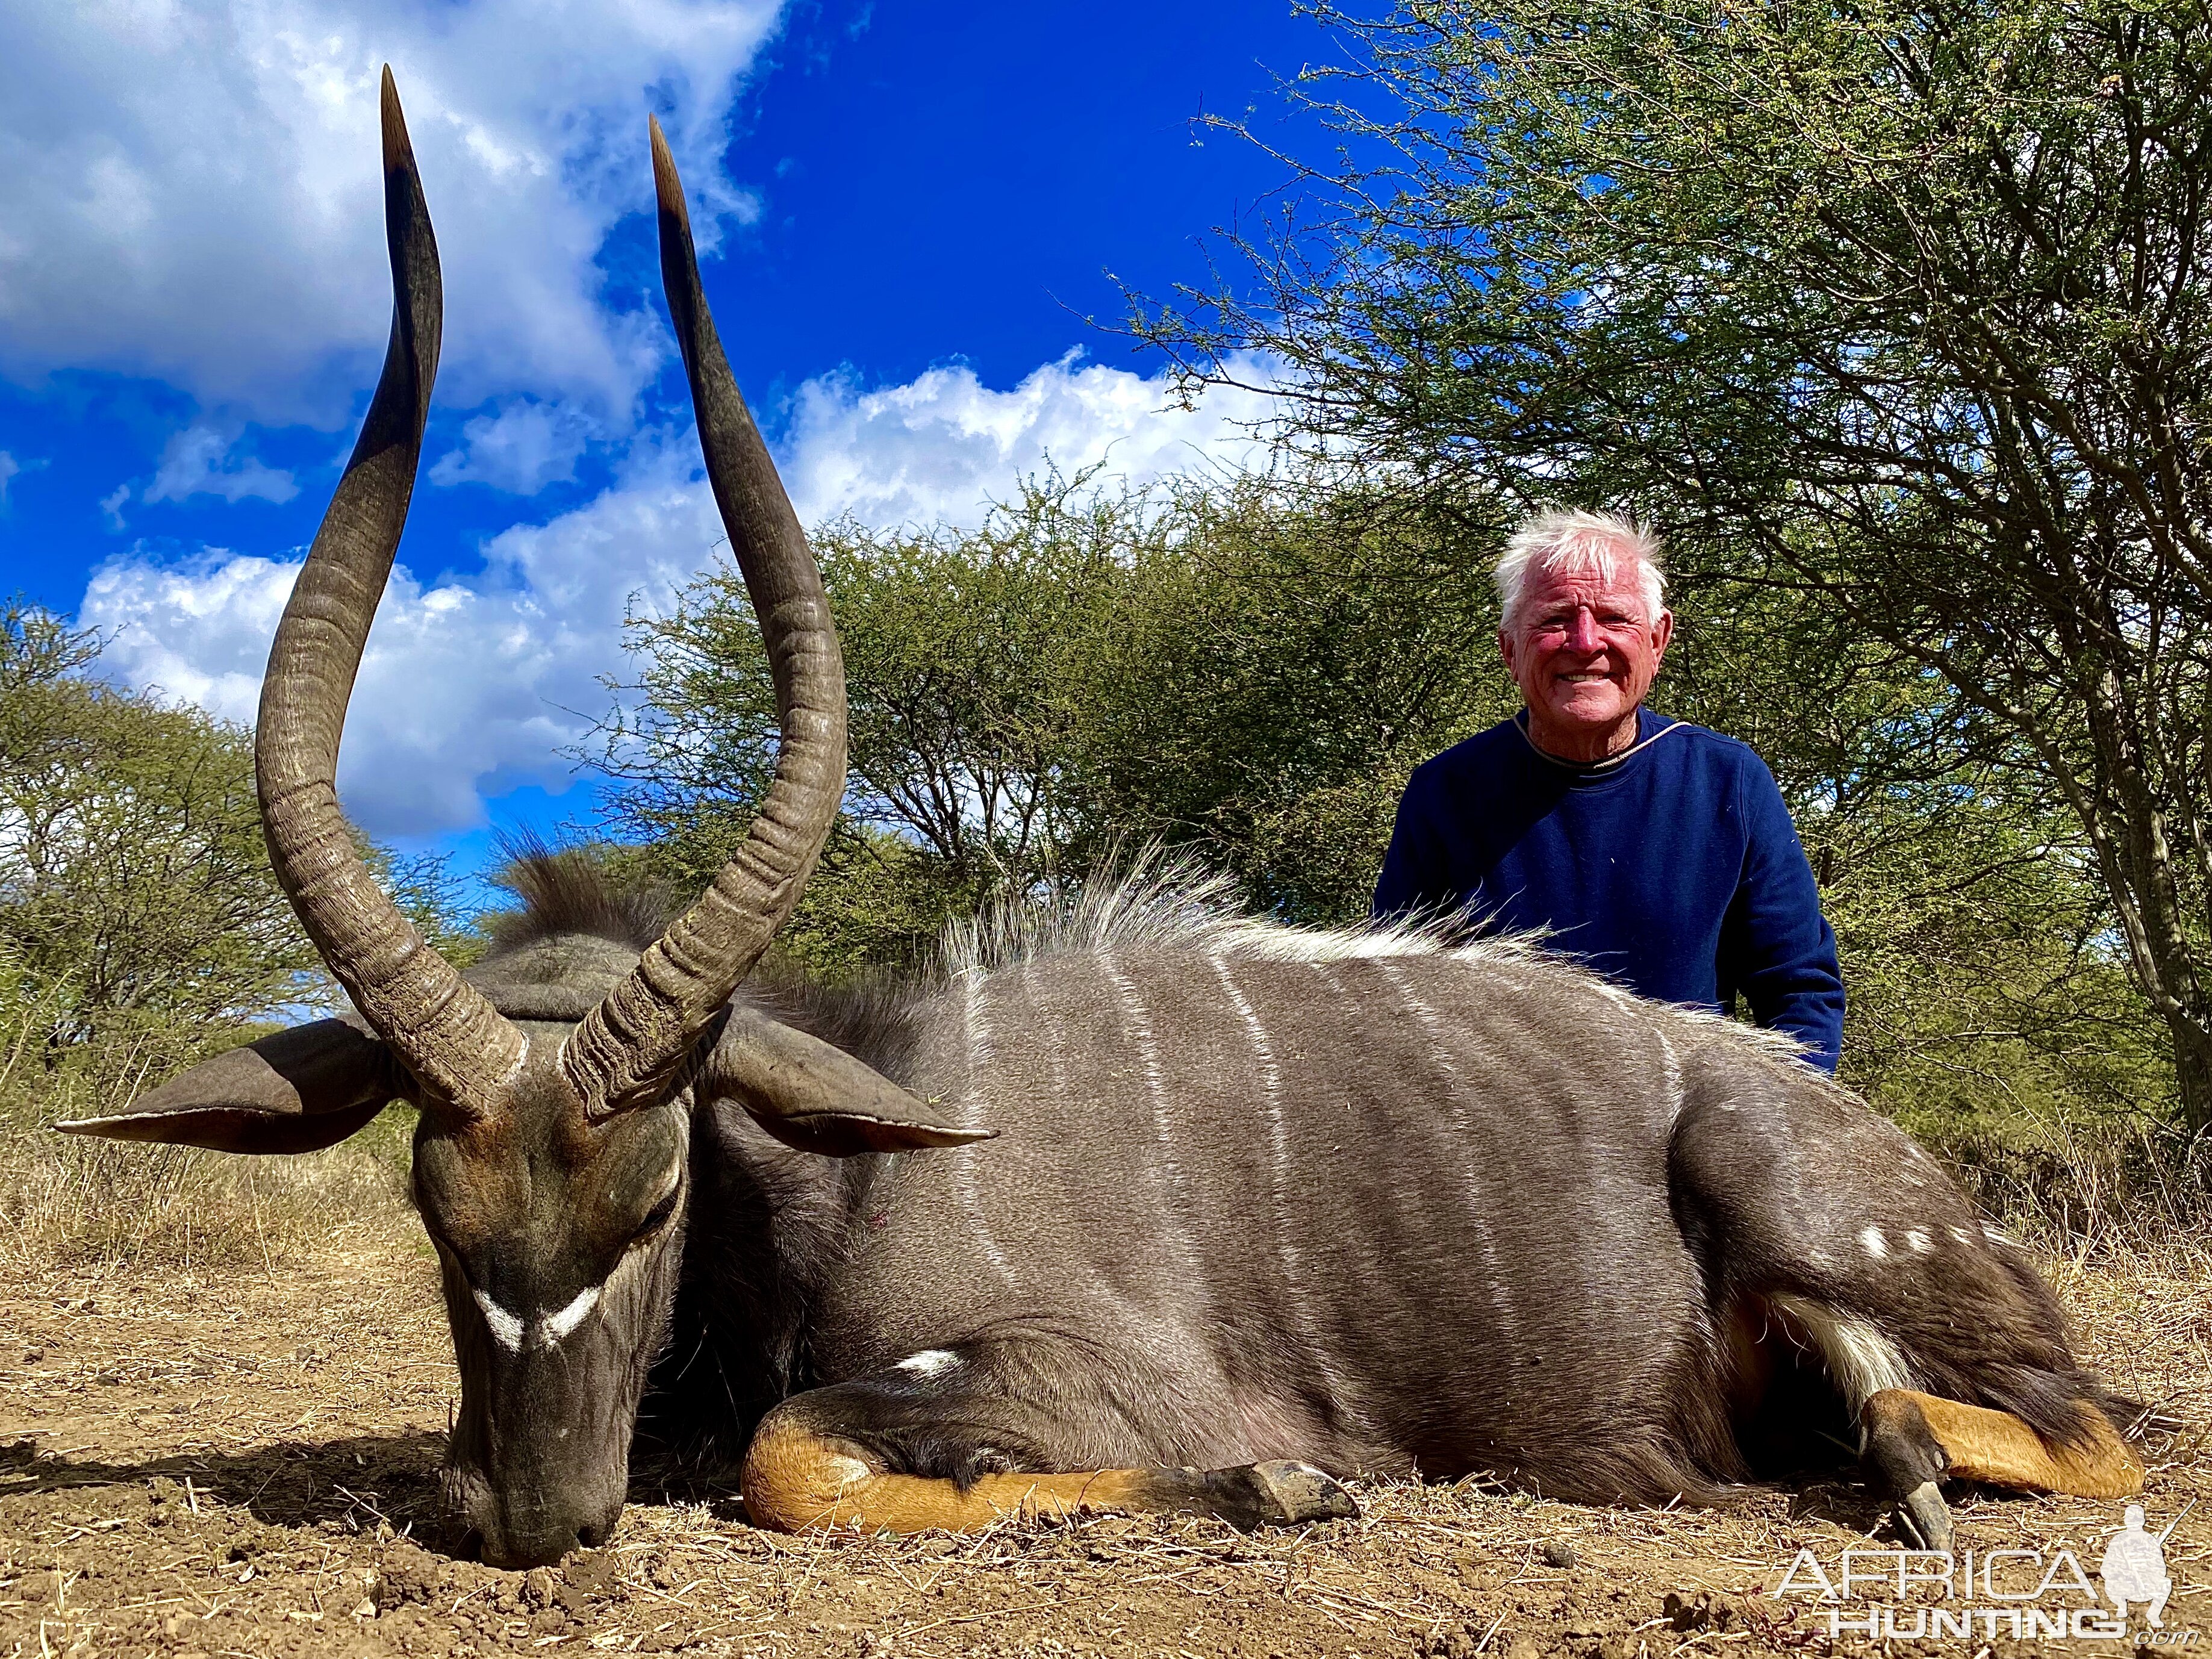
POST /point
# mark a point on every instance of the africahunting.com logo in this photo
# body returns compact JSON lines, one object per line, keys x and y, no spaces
{"x":2022,"y":1594}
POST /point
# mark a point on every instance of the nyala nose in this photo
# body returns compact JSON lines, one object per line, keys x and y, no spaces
{"x":534,"y":1532}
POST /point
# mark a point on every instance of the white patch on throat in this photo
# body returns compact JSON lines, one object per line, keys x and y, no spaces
{"x":506,"y":1330}
{"x":930,"y":1362}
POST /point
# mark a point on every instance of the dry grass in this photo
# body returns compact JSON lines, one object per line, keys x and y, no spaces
{"x":119,"y":1203}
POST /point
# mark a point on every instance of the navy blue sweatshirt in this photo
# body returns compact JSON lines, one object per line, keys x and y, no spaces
{"x":1673,"y":869}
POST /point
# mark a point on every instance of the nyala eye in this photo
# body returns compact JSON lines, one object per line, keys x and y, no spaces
{"x":658,"y":1216}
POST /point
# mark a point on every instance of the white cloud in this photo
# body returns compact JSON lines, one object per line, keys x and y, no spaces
{"x":197,"y":461}
{"x":10,"y":467}
{"x":473,"y":685}
{"x":943,"y":445}
{"x":521,"y":449}
{"x":190,"y":189}
{"x":466,"y":683}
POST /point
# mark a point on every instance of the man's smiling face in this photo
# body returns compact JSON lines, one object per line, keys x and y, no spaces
{"x":1585,"y":651}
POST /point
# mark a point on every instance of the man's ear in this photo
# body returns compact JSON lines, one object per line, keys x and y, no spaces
{"x":817,"y":1097}
{"x":296,"y":1091}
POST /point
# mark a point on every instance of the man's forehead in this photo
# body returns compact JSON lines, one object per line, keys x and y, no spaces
{"x":1585,"y":583}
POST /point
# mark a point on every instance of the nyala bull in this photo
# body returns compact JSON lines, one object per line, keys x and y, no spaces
{"x":1158,"y":1208}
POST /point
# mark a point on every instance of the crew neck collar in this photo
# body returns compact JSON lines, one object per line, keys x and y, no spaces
{"x":1650,"y":729}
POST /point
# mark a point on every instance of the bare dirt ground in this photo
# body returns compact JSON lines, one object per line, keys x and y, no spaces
{"x":238,"y":1463}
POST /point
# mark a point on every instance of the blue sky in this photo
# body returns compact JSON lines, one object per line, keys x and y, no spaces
{"x":911,"y":209}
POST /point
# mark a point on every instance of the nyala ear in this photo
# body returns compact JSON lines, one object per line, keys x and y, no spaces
{"x":297,"y":1091}
{"x":815,"y":1096}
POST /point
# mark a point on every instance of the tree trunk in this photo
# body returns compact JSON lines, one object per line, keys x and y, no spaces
{"x":2192,"y":1070}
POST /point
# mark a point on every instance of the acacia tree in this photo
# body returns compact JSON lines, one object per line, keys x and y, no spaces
{"x":1897,"y":306}
{"x":138,"y":915}
{"x":1246,"y":671}
{"x":963,"y":654}
{"x":139,"y":922}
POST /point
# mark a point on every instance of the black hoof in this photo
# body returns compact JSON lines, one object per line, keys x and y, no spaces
{"x":1295,"y":1493}
{"x":1251,"y":1495}
{"x":1925,"y":1518}
{"x":1904,"y":1460}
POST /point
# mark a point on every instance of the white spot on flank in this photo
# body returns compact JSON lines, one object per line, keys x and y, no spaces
{"x":930,"y":1362}
{"x":1874,"y":1243}
{"x":1996,"y":1237}
{"x":1919,"y":1240}
{"x":506,"y":1330}
{"x":1961,"y":1235}
{"x":558,"y":1325}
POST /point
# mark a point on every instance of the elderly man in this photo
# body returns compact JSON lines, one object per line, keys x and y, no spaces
{"x":1657,"y":851}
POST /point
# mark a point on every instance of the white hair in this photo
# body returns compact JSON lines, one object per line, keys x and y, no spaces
{"x":1564,"y":539}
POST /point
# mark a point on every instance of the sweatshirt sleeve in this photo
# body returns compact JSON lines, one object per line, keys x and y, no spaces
{"x":1414,"y":875}
{"x":1777,"y":947}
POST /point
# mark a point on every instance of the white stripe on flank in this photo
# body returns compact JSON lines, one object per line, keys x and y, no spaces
{"x":930,"y":1362}
{"x":1270,"y":1086}
{"x":975,"y":1027}
{"x":506,"y":1330}
{"x":1278,"y":1145}
{"x":1501,"y":1301}
{"x":1673,"y":1066}
{"x":1137,"y":1020}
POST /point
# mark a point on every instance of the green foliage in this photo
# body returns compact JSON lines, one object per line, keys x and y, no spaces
{"x":141,"y":930}
{"x":963,"y":658}
{"x":1277,"y":665}
{"x":137,"y":905}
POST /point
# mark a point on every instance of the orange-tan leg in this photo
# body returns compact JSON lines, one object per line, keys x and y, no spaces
{"x":1999,"y":1450}
{"x":795,"y":1479}
{"x":1912,"y":1441}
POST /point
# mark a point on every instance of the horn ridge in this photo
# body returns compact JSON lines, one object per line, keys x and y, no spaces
{"x":644,"y":1030}
{"x":455,"y":1044}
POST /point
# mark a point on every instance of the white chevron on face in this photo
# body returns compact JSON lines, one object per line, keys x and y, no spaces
{"x":512,"y":1332}
{"x":506,"y":1330}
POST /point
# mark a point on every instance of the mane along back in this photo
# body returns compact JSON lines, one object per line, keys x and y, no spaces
{"x":1165,"y":903}
{"x":578,"y":934}
{"x":569,"y":892}
{"x":1170,"y":903}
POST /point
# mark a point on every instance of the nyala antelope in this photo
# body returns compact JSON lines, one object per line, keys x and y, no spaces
{"x":1160,"y":1208}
